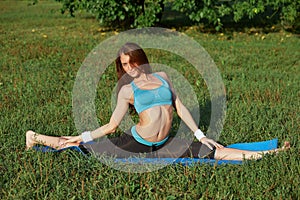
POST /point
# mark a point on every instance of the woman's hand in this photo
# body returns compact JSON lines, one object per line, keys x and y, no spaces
{"x":210,"y":143}
{"x":72,"y":139}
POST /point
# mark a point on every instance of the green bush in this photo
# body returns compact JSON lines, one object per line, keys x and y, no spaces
{"x":124,"y":13}
{"x":217,"y":11}
{"x":145,"y":13}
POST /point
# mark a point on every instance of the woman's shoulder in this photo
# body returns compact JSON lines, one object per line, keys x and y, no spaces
{"x":165,"y":76}
{"x":126,"y":88}
{"x":126,"y":93}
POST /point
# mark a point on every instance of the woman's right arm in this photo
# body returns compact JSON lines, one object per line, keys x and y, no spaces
{"x":116,"y":118}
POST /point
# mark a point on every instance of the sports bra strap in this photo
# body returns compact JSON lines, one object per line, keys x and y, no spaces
{"x":160,"y":78}
{"x":133,"y":85}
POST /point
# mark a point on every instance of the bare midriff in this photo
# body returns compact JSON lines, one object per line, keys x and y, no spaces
{"x":155,"y":123}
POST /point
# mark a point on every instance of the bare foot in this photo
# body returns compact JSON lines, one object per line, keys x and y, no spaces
{"x":286,"y":146}
{"x":30,"y":139}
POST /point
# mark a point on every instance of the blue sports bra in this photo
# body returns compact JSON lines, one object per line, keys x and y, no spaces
{"x":144,"y":99}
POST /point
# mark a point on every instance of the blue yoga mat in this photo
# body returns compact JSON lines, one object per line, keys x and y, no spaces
{"x":250,"y":146}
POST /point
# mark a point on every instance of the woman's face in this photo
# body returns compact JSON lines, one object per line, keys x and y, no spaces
{"x":130,"y":70}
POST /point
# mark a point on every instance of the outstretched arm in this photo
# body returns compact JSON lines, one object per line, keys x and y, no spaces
{"x":116,"y":118}
{"x":186,"y":116}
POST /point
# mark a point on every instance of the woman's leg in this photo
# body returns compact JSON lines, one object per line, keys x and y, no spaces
{"x":33,"y":138}
{"x":236,"y":154}
{"x":124,"y":146}
{"x":180,"y":148}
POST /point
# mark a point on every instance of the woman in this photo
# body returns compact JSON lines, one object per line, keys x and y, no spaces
{"x":153,"y":97}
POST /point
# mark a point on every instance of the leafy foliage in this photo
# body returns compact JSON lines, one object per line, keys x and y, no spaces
{"x":134,"y":13}
{"x":215,"y":12}
{"x":144,"y":13}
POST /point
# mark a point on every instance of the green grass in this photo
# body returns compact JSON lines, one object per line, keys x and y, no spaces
{"x":41,"y":51}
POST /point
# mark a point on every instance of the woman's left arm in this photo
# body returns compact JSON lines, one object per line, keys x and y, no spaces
{"x":186,"y":116}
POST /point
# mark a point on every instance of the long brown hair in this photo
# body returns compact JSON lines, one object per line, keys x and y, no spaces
{"x":137,"y":58}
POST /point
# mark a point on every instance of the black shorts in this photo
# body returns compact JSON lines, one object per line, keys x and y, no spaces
{"x":125,"y":145}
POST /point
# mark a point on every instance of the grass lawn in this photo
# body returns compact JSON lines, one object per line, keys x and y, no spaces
{"x":41,"y":52}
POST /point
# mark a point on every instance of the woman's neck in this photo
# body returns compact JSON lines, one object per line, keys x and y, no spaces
{"x":142,"y":77}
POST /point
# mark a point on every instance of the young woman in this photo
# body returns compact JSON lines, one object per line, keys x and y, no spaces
{"x":154,"y":99}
